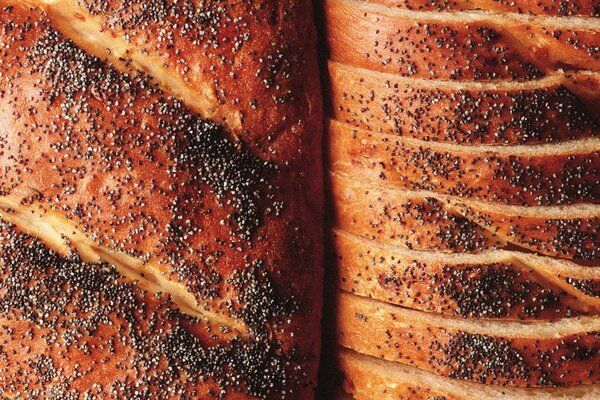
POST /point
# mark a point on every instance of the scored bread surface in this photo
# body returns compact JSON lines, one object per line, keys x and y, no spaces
{"x":169,"y":199}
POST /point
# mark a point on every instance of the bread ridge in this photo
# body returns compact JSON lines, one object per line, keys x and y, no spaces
{"x":549,"y":175}
{"x":423,"y":221}
{"x":465,"y":45}
{"x":367,"y":378}
{"x":492,"y":284}
{"x":461,"y":113}
{"x":502,"y":353}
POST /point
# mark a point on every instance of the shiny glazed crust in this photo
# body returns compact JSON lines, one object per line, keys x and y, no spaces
{"x":464,"y":46}
{"x":222,"y":214}
{"x":539,"y":176}
{"x":499,"y":353}
{"x":585,"y":8}
{"x":492,"y":284}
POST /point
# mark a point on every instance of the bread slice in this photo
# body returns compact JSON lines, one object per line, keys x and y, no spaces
{"x":551,"y":109}
{"x":568,"y":232}
{"x":428,"y":221}
{"x":540,"y":354}
{"x":495,"y":284}
{"x":371,"y":378}
{"x":404,"y":219}
{"x":539,"y":175}
{"x":586,"y":8}
{"x":459,"y":45}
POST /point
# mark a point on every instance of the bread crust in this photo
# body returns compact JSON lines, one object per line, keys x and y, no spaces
{"x":549,"y":177}
{"x":263,"y":87}
{"x":409,"y":221}
{"x":72,"y":328}
{"x":458,"y":46}
{"x":395,"y":334}
{"x":426,"y":221}
{"x":226,"y":211}
{"x":495,"y":284}
{"x":369,"y":378}
{"x":586,"y":8}
{"x":495,"y":114}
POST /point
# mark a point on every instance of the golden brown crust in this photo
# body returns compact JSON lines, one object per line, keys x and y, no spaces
{"x":370,"y":378}
{"x":495,"y":285}
{"x":426,"y":221}
{"x":567,"y":236}
{"x":263,"y":87}
{"x":237,"y":222}
{"x":522,"y":178}
{"x":457,"y":46}
{"x":393,"y":333}
{"x":412,"y":221}
{"x":587,"y":8}
{"x":70,"y":328}
{"x":467,"y":115}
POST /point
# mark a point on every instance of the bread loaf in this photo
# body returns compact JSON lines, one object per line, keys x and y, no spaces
{"x":193,"y":201}
{"x":463,"y":180}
